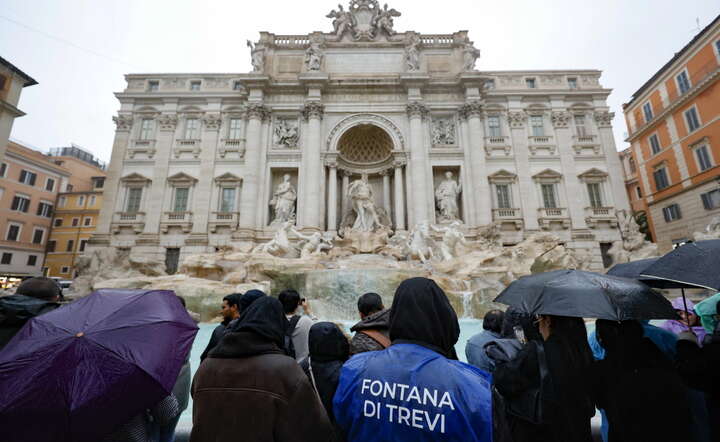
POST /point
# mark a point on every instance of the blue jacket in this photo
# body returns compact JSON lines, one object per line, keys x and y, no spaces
{"x":410,"y":393}
{"x":475,"y":350}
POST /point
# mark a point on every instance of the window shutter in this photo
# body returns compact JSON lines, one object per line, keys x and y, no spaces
{"x":32,"y":179}
{"x":666,"y":214}
{"x":40,"y":209}
{"x":707,"y":204}
{"x":15,"y":203}
{"x":678,"y":212}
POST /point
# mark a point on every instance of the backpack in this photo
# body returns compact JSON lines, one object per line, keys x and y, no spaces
{"x":289,"y":346}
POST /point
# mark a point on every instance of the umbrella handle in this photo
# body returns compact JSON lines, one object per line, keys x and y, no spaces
{"x":687,"y":314}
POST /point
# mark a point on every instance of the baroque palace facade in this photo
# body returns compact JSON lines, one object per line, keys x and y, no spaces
{"x":202,"y":161}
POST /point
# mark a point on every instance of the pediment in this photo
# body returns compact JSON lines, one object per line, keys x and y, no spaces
{"x":228,"y":177}
{"x":548,"y":174}
{"x":182,"y":177}
{"x":135,"y":178}
{"x":593,"y":173}
{"x":502,"y":175}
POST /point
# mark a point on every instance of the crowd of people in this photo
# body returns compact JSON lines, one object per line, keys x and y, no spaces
{"x":273,"y":372}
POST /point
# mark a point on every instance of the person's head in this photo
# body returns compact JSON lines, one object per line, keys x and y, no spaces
{"x":286,"y":177}
{"x":290,"y":300}
{"x":422,"y":314}
{"x":614,"y":336}
{"x":493,"y":321}
{"x":571,"y":333}
{"x":230,"y":307}
{"x":448,"y":175}
{"x":264,"y":318}
{"x":516,"y":322}
{"x":369,"y":303}
{"x":679,"y":305}
{"x":40,"y":287}
{"x":326,"y":342}
{"x":248,"y":298}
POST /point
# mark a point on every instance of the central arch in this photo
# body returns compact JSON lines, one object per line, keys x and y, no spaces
{"x":365,"y":144}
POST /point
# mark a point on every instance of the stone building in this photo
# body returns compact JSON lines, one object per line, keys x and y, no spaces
{"x":674,"y":123}
{"x":202,"y":161}
{"x":12,"y":82}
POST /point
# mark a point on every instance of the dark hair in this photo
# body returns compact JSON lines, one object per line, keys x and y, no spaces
{"x":40,"y":287}
{"x":233,"y":299}
{"x":370,"y":303}
{"x":617,"y":336}
{"x":290,"y":299}
{"x":573,"y":335}
{"x":516,"y":318}
{"x":493,"y":320}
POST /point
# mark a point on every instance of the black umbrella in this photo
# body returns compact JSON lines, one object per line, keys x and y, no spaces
{"x":634,"y":270}
{"x":695,"y":264}
{"x":586,"y":295}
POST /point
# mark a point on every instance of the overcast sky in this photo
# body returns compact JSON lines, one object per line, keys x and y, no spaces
{"x":79,"y":50}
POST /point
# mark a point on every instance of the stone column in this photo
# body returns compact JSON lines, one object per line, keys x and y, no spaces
{"x":574,"y":190}
{"x":418,"y":156}
{"x":472,"y":112}
{"x":156,"y":195}
{"x":399,"y":196}
{"x":202,"y":196}
{"x":332,"y":196}
{"x":607,"y":141}
{"x":386,"y":191}
{"x":345,"y":185}
{"x":313,"y":114}
{"x":256,"y":113}
{"x":528,"y":203}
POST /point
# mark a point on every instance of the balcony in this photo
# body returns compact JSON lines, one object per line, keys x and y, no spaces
{"x":538,"y":143}
{"x":183,"y":220}
{"x":187,"y":146}
{"x":499,"y":144}
{"x":586,"y":145}
{"x":232,"y":145}
{"x":597,"y":215}
{"x":131,"y":220}
{"x":223,"y":219}
{"x":547,"y":216}
{"x":508,"y":216}
{"x":146,"y":147}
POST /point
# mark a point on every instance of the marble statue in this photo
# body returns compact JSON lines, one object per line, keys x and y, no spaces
{"x":452,"y":238}
{"x":313,"y":57}
{"x":443,"y":131}
{"x":412,"y":54}
{"x":712,"y":231}
{"x":280,"y":245}
{"x":361,"y":196}
{"x":283,"y":202}
{"x":420,"y":243}
{"x":446,"y":196}
{"x":342,"y":21}
{"x":286,"y":134}
{"x":383,"y":21}
{"x":312,"y":244}
{"x":633,"y":246}
{"x":470,"y":56}
{"x":257,"y":56}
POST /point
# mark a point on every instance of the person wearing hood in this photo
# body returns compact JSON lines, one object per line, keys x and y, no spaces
{"x":475,"y":347}
{"x":33,"y":297}
{"x":678,"y":326}
{"x":329,"y":349}
{"x":416,"y":389}
{"x":371,"y":333}
{"x":249,"y":389}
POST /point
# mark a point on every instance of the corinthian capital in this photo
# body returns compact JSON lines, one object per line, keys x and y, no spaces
{"x":517,"y":119}
{"x":212,"y":121}
{"x":123,"y":122}
{"x":313,"y":109}
{"x":604,"y":118}
{"x":560,"y":119}
{"x":167,"y":121}
{"x":416,"y":109}
{"x":258,"y":110}
{"x":471,"y":109}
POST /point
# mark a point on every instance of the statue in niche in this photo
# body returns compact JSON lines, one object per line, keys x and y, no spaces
{"x":313,"y":244}
{"x":412,"y":54}
{"x":446,"y":197}
{"x":283,"y":202}
{"x":443,"y":132}
{"x":280,"y":244}
{"x":286,"y":134}
{"x":452,"y":238}
{"x":383,"y":21}
{"x":470,"y":56}
{"x":343,"y":21}
{"x":361,"y":196}
{"x":420,"y":243}
{"x":313,"y":57}
{"x":257,"y":56}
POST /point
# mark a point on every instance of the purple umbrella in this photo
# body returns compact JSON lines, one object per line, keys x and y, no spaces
{"x":79,"y":372}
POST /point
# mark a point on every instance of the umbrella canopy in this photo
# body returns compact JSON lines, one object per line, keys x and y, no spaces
{"x":77,"y":373}
{"x":634,"y":270}
{"x":695,"y":264}
{"x":586,"y":295}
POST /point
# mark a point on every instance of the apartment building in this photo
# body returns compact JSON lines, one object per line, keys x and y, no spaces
{"x":672,"y":168}
{"x":12,"y":82}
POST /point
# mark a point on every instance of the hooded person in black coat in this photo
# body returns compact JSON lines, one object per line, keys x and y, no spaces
{"x":34,"y":297}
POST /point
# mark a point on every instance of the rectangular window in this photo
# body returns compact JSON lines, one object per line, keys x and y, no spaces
{"x":181,"y":199}
{"x":147,"y":126}
{"x":50,"y":185}
{"x":703,"y":157}
{"x":494,"y":126}
{"x":631,"y":162}
{"x":503,"y":196}
{"x":490,"y":84}
{"x":38,"y":235}
{"x":194,"y":85}
{"x":81,"y":200}
{"x":671,"y":213}
{"x":27,"y":177}
{"x":580,"y":125}
{"x":64,"y":269}
{"x":661,"y":178}
{"x":13,"y":232}
{"x":45,"y":209}
{"x":234,"y":130}
{"x":75,"y":222}
{"x":133,"y":200}
{"x":87,"y":221}
{"x":191,"y":128}
{"x":70,"y":245}
{"x":99,"y":182}
{"x":58,"y":222}
{"x":572,"y":83}
{"x":711,"y":200}
{"x":237,"y":86}
{"x":683,"y":82}
{"x":32,"y":260}
{"x":548,"y":194}
{"x":654,"y":144}
{"x":61,"y":201}
{"x":51,"y":245}
{"x":530,"y":82}
{"x":538,"y":128}
{"x":638,"y":191}
{"x":153,"y":85}
{"x":81,"y":248}
{"x":3,"y":169}
{"x":595,"y":194}
{"x":6,"y":258}
{"x":227,"y":204}
{"x":93,"y":199}
{"x":691,"y":117}
{"x":647,"y":110}
{"x":20,"y":203}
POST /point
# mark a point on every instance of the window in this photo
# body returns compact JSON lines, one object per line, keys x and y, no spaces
{"x":28,"y":177}
{"x":83,"y":242}
{"x":133,"y":200}
{"x":172,"y":258}
{"x":580,"y":129}
{"x":32,"y":260}
{"x":671,"y":213}
{"x":181,"y":199}
{"x":75,"y":222}
{"x":654,"y":144}
{"x":503,"y":196}
{"x":530,"y":83}
{"x":6,"y":258}
{"x":638,"y":191}
{"x":93,"y":199}
{"x":703,"y":157}
{"x":38,"y":235}
{"x":51,"y":245}
{"x":194,"y":85}
{"x":536,"y":122}
{"x":683,"y":82}
{"x":87,"y":221}
{"x":69,"y":188}
{"x":237,"y":86}
{"x":44,"y":209}
{"x":20,"y":203}
{"x":631,"y":163}
{"x":81,"y":200}
{"x":99,"y":182}
{"x":234,"y":131}
{"x":572,"y":83}
{"x":61,"y":201}
{"x":50,"y":185}
{"x":147,"y":125}
{"x":490,"y":84}
{"x":58,"y":222}
{"x":711,"y":200}
{"x":548,"y":194}
{"x":70,"y":245}
{"x":3,"y":169}
{"x":64,"y":269}
{"x":691,"y":117}
{"x":494,"y":126}
{"x":153,"y":85}
{"x":661,"y":178}
{"x":191,"y":128}
{"x":595,"y":194}
{"x":227,"y":203}
{"x":3,"y":80}
{"x":13,"y":232}
{"x":647,"y":111}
